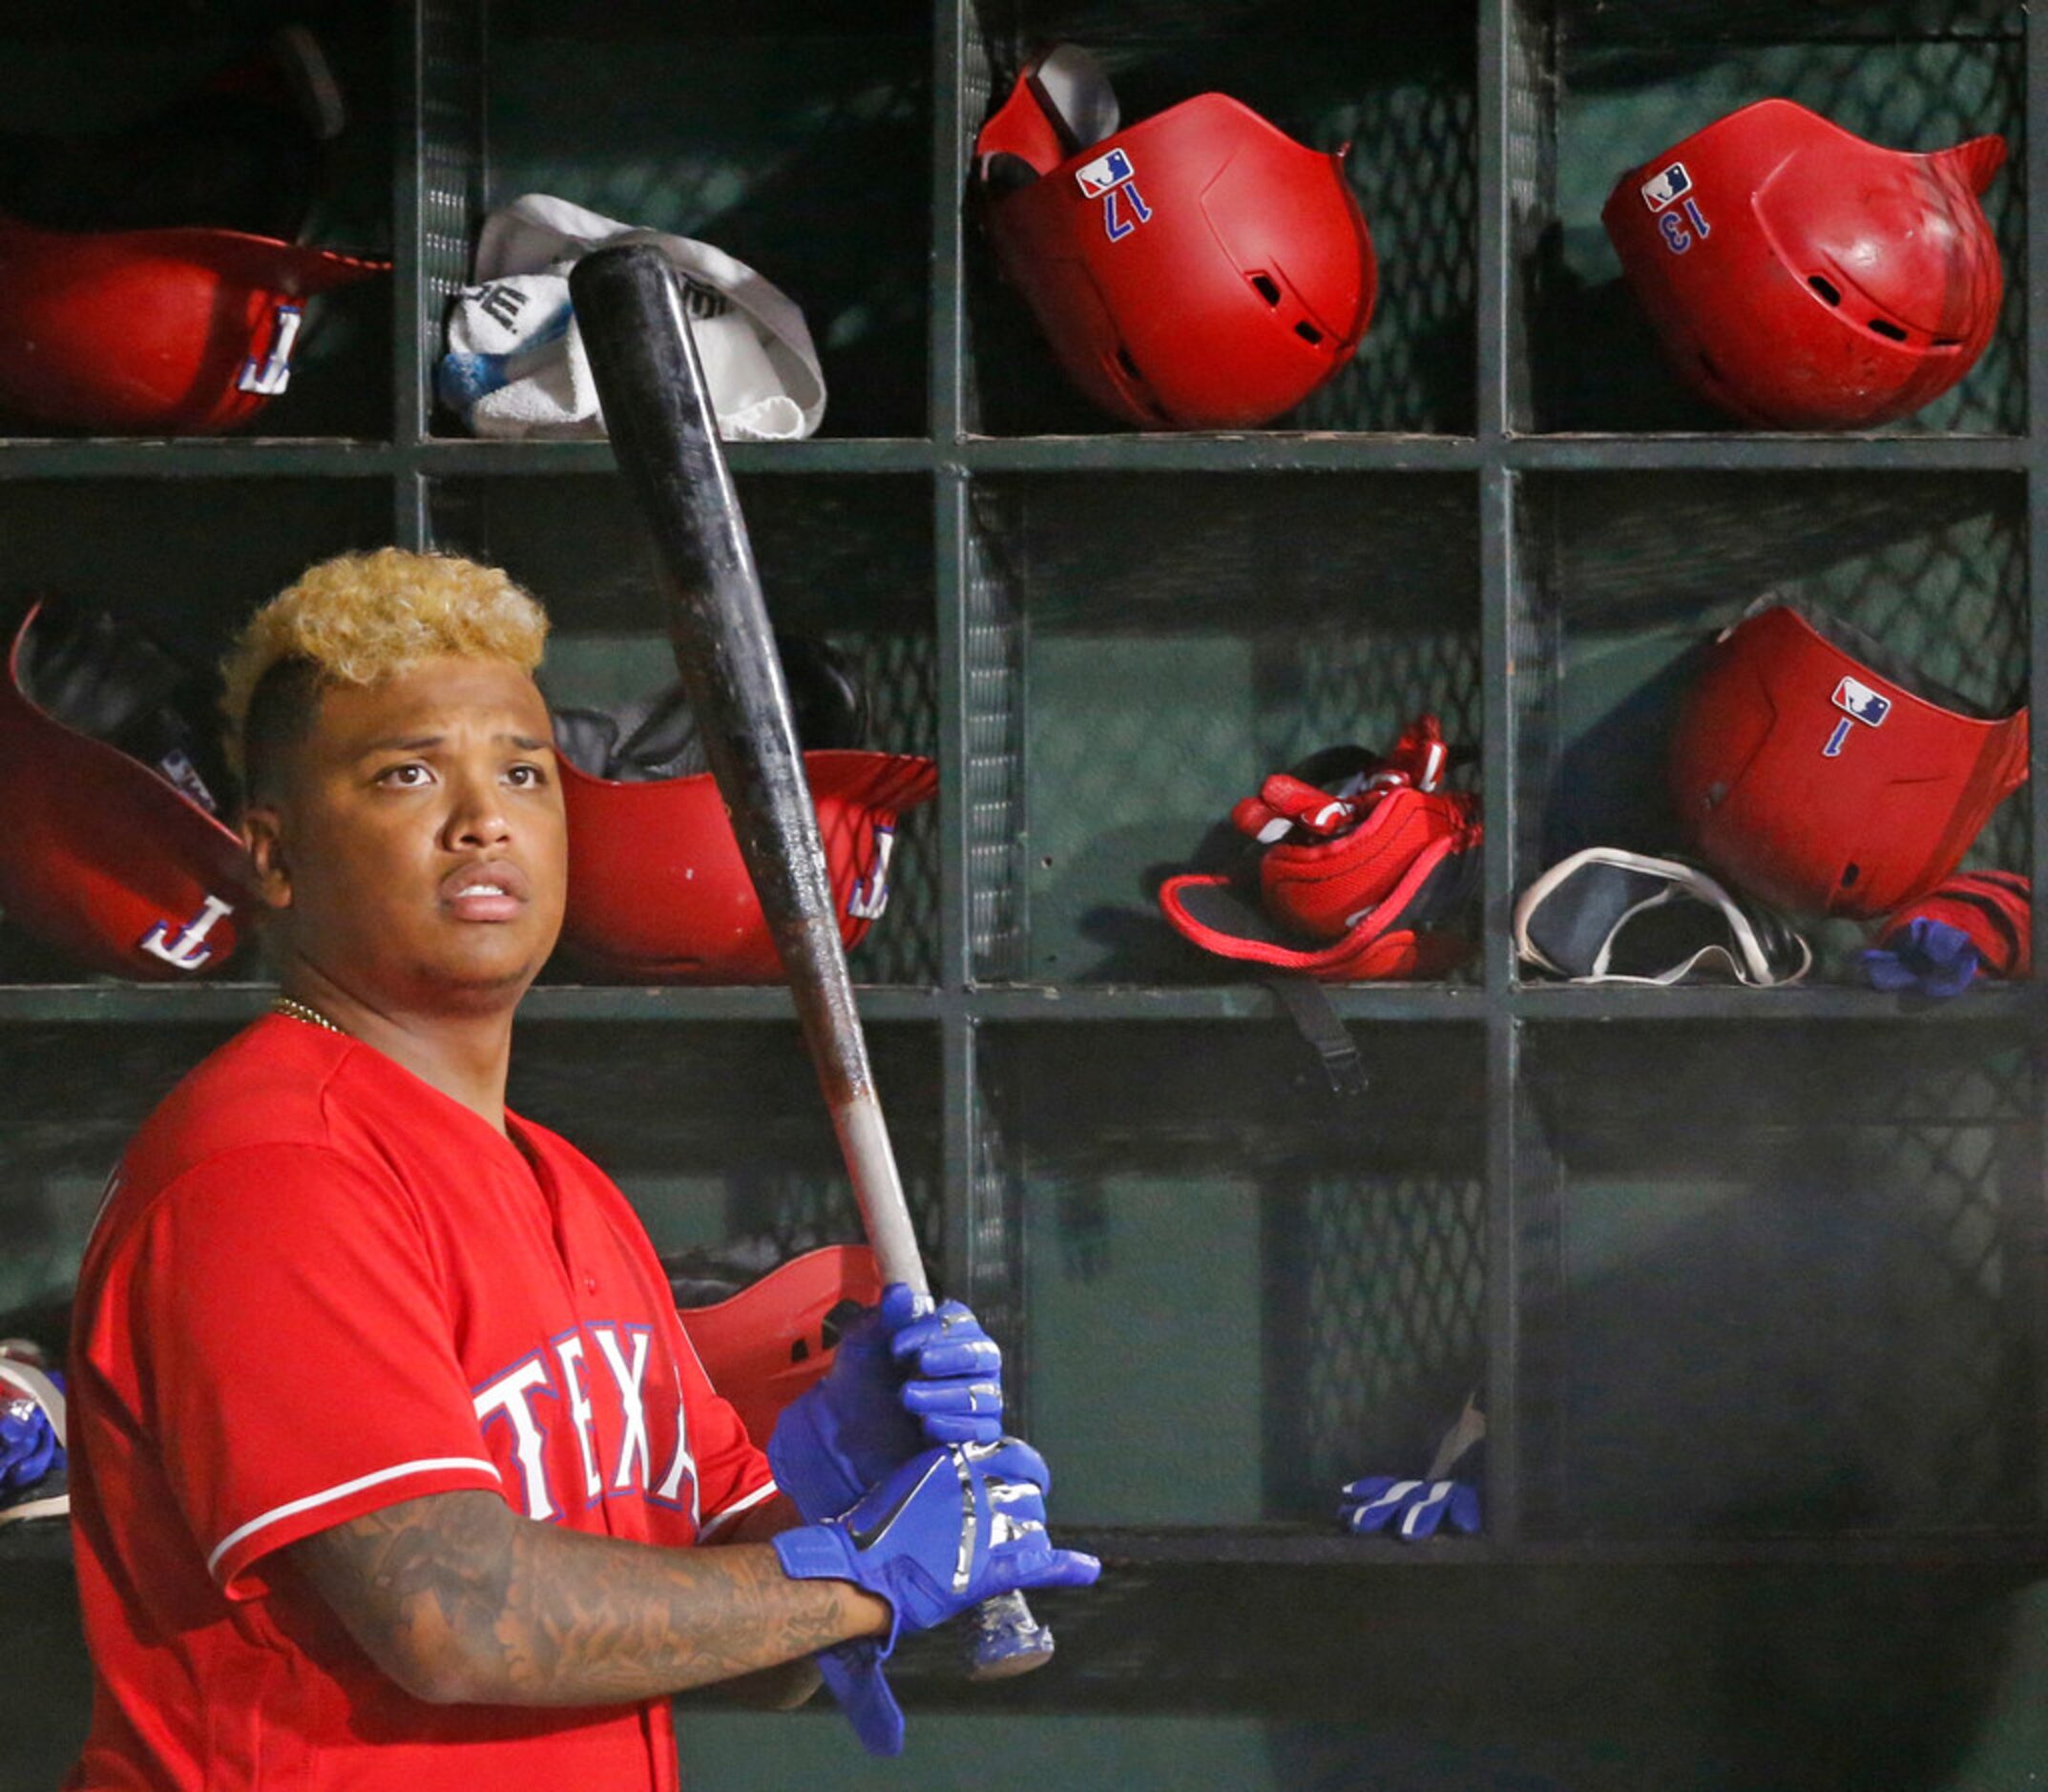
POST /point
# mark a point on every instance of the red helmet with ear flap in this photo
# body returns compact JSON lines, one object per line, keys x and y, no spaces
{"x":173,"y":332}
{"x":1801,"y":278}
{"x":763,"y":1344}
{"x":121,"y":863}
{"x":1814,"y":770}
{"x":658,"y":893}
{"x":1200,"y":270}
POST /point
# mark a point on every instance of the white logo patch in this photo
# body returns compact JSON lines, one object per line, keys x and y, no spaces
{"x":1111,"y":169}
{"x":1660,"y":189}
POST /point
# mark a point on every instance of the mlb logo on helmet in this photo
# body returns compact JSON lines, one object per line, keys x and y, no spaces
{"x":1107,"y":171}
{"x":271,"y":373}
{"x":1861,"y":702}
{"x":870,"y":896}
{"x":184,"y":946}
{"x":1660,"y":190}
{"x":1109,"y":178}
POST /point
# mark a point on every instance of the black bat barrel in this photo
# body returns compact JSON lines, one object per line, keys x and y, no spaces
{"x":658,"y":410}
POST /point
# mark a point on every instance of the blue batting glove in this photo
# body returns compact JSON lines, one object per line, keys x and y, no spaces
{"x":905,"y":1377}
{"x":1930,"y":956}
{"x":1414,"y":1509}
{"x":853,"y":1676}
{"x":948,"y":1529}
{"x":29,"y":1446}
{"x":954,"y":1375}
{"x":1010,"y":1528}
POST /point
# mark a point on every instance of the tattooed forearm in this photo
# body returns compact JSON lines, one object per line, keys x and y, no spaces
{"x":760,"y":1523}
{"x":462,"y":1602}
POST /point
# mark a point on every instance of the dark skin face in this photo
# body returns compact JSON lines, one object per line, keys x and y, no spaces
{"x":413,"y":855}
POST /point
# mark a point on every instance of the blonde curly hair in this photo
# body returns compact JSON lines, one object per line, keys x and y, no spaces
{"x":361,"y":618}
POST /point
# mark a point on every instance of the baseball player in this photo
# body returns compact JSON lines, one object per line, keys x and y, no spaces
{"x":391,"y":1461}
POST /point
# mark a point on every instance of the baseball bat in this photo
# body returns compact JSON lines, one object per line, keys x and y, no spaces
{"x":630,"y":309}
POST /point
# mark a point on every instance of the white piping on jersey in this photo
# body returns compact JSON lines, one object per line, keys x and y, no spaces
{"x":343,"y":1492}
{"x":734,"y":1510}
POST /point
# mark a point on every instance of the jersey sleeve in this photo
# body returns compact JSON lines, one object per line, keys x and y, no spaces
{"x":297,"y":1357}
{"x":732,"y":1472}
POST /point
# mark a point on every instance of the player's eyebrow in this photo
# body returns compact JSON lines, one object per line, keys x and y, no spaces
{"x":427,"y":743}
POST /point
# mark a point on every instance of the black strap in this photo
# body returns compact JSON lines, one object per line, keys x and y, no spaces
{"x":1310,"y":1008}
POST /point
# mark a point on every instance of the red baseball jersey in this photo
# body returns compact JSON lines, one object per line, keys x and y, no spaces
{"x":319,"y":1287}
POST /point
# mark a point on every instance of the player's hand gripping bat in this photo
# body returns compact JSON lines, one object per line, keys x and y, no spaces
{"x":658,"y":410}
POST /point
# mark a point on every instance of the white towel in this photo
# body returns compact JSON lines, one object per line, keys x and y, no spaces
{"x":515,"y":363}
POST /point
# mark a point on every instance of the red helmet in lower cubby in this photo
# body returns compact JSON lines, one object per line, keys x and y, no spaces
{"x":1816,"y":771}
{"x":116,"y":856}
{"x":178,"y":332}
{"x":1803,"y":278}
{"x":658,"y":893}
{"x":766,"y":1343}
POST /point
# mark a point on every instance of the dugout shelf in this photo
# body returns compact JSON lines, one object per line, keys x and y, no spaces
{"x":109,"y":457}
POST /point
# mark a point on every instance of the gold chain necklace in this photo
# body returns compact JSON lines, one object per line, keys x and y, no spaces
{"x":295,"y":1009}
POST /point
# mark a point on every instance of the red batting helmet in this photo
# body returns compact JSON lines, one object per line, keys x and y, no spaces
{"x":178,"y":331}
{"x":1201,"y":270}
{"x":1817,"y":772}
{"x":765,"y":1344}
{"x":658,"y":893}
{"x":107,"y":856}
{"x":1803,"y":278}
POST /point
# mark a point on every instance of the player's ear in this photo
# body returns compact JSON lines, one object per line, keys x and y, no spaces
{"x":263,"y":833}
